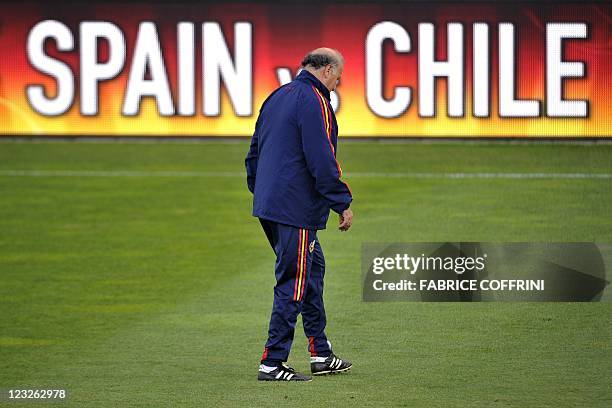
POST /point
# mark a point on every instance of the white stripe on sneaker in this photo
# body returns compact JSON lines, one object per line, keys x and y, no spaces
{"x":289,"y":376}
{"x":279,"y":375}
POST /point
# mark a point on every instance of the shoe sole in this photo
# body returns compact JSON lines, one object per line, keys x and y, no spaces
{"x":333,"y":371}
{"x":266,"y":379}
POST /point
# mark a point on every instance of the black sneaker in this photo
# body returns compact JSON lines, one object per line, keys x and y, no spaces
{"x":281,"y":373}
{"x":329,"y":365}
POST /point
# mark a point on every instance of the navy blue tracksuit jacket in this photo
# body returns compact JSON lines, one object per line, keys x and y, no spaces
{"x":292,"y":171}
{"x":291,"y":165}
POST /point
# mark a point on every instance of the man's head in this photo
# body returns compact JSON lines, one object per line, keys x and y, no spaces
{"x":326,"y":64}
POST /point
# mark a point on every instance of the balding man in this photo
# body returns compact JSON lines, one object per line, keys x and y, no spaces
{"x":295,"y":180}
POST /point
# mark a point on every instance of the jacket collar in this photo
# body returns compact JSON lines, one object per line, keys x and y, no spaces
{"x":307,"y":77}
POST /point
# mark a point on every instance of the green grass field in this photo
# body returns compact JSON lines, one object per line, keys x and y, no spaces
{"x":148,"y":290}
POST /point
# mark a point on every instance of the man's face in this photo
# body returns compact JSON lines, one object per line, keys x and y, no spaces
{"x":331,"y":75}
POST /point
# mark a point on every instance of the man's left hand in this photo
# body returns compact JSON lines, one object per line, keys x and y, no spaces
{"x":346,"y":220}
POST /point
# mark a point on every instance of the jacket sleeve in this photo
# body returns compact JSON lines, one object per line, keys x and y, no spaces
{"x":314,"y":121}
{"x":251,"y":159}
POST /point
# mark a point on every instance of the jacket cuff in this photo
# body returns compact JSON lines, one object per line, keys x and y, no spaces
{"x":339,"y":208}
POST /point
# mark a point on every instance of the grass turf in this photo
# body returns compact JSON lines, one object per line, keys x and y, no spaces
{"x":156,"y":291}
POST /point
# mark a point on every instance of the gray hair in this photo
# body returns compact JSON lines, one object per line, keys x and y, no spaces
{"x":318,"y":60}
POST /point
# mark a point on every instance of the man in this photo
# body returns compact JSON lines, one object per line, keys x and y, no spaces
{"x":295,"y":180}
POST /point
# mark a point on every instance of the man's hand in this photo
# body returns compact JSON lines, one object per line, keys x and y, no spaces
{"x":346,"y":219}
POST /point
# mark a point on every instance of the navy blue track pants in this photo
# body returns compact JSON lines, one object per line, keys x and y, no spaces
{"x":300,"y":269}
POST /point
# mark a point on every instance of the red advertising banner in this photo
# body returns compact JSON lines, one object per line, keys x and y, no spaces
{"x":424,"y":69}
